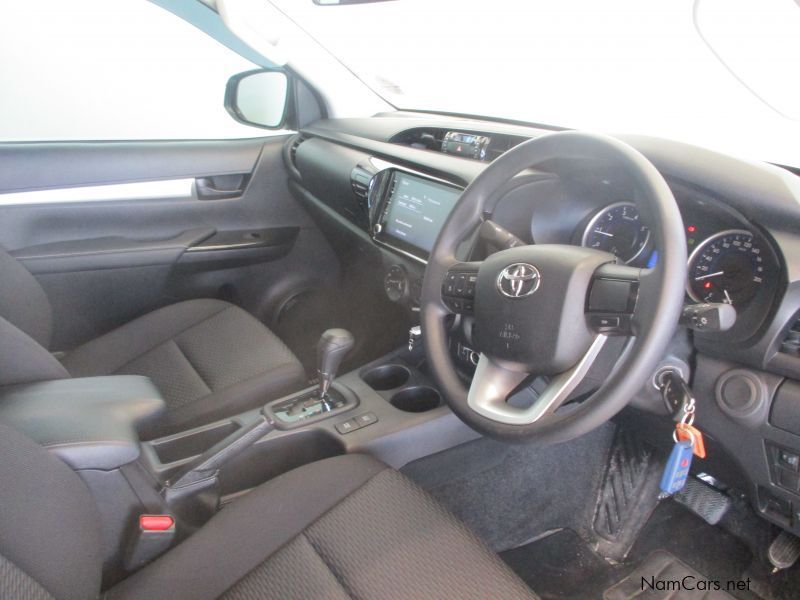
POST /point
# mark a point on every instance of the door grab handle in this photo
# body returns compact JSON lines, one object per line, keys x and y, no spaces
{"x":218,"y":187}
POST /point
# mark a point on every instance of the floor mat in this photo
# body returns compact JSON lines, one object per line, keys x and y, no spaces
{"x":511,"y":494}
{"x":710,"y":550}
{"x":662,"y":576}
{"x":562,"y":565}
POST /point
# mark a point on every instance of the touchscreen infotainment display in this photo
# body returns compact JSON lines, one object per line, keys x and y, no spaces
{"x":417,"y":209}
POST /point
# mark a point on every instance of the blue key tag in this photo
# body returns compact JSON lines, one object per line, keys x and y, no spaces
{"x":677,"y":469}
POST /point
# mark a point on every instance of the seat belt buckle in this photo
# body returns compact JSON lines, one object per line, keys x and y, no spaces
{"x":153,"y":536}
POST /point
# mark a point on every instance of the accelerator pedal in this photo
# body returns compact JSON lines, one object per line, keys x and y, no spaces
{"x":703,"y":500}
{"x":784,"y":551}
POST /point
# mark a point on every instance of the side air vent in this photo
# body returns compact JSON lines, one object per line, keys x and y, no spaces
{"x":295,"y":144}
{"x":359,"y":180}
{"x":791,"y":343}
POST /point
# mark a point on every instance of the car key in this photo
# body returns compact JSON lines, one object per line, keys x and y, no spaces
{"x":675,"y":392}
{"x":677,"y":469}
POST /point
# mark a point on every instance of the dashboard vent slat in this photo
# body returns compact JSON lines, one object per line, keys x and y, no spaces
{"x":299,"y":139}
{"x":791,"y":342}
{"x":359,"y":180}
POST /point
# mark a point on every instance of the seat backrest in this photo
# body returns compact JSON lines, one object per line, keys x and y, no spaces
{"x":26,"y":325}
{"x":23,"y":302}
{"x":50,"y":543}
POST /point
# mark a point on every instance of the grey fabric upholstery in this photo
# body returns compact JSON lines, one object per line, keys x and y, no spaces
{"x":23,"y":302}
{"x":17,"y":584}
{"x":23,"y":360}
{"x":346,"y":527}
{"x":26,"y":325}
{"x":210,"y":360}
{"x":49,"y":530}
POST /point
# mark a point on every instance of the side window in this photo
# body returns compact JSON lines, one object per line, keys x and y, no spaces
{"x":121,"y":70}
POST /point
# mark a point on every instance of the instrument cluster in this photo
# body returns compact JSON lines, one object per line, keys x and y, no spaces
{"x":727,"y":262}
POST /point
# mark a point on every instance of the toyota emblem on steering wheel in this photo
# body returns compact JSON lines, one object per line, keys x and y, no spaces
{"x":519,"y":280}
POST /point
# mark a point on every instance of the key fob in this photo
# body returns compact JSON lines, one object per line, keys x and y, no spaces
{"x":677,"y":469}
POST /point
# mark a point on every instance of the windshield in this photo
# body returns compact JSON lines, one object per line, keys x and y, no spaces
{"x":717,"y":73}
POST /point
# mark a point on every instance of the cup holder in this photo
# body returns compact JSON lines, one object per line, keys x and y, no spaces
{"x":416,"y":399}
{"x":386,"y":377}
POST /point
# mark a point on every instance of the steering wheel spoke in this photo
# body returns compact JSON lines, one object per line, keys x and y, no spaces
{"x":493,"y":383}
{"x":458,"y":287}
{"x":612,"y":300}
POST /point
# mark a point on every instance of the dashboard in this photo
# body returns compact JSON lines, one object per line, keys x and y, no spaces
{"x":382,"y":187}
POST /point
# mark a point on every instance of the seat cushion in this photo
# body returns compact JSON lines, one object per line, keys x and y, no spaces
{"x":346,"y":527}
{"x":50,"y":539}
{"x":209,"y":358}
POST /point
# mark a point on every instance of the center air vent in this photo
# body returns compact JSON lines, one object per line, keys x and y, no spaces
{"x":791,"y":342}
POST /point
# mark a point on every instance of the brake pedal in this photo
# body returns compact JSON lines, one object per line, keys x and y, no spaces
{"x":703,"y":500}
{"x":784,"y":551}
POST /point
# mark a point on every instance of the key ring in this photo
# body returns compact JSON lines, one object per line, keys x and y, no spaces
{"x":688,"y":412}
{"x":688,"y":432}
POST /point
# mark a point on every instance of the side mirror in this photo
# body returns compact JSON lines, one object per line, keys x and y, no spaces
{"x":258,"y":98}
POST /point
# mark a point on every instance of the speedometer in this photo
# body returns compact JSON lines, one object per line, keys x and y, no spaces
{"x":617,"y":229}
{"x":727,"y":267}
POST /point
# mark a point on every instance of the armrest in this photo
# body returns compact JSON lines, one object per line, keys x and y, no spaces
{"x":90,"y":423}
{"x":108,"y":252}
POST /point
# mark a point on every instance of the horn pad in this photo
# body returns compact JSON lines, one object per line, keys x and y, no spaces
{"x":530,"y":302}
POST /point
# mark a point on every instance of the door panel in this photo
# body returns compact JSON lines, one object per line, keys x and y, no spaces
{"x":104,"y":259}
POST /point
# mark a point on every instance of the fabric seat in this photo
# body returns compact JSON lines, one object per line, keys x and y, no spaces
{"x":209,"y":358}
{"x":346,"y":527}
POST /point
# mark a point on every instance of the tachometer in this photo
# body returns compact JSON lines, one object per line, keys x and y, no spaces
{"x":617,"y":229}
{"x":727,"y":267}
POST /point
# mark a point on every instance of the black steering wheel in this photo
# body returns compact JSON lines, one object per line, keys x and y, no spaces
{"x":548,"y":309}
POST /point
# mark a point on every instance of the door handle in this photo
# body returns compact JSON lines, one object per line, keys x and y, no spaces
{"x":218,"y":187}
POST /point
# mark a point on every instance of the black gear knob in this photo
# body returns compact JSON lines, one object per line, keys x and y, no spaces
{"x":333,"y":346}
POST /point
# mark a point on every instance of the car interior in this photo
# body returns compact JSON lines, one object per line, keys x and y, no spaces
{"x":392,"y":353}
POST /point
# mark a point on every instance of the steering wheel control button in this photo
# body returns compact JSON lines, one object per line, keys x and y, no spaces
{"x":458,"y":290}
{"x":610,"y":295}
{"x":610,"y":324}
{"x":604,"y":323}
{"x":519,"y":280}
{"x":348,"y":426}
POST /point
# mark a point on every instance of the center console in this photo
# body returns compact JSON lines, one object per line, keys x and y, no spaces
{"x":389,"y":409}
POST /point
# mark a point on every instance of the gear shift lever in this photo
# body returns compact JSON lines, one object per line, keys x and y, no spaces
{"x":333,"y":346}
